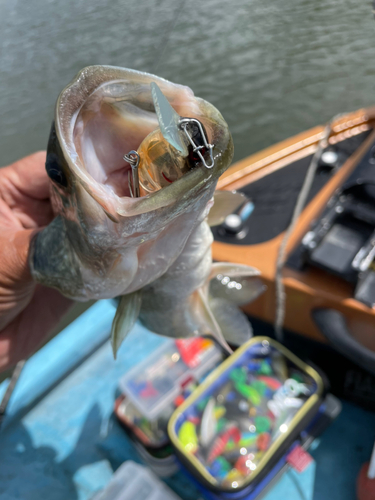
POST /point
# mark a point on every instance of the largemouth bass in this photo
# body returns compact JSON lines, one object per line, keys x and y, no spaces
{"x":151,"y":248}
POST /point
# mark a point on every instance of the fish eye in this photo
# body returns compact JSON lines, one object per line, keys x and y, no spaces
{"x":54,"y":170}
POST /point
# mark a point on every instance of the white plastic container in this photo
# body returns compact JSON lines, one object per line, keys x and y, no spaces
{"x":132,"y":481}
{"x":155,"y":383}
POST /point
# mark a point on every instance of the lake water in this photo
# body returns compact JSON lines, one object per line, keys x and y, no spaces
{"x":273,"y":68}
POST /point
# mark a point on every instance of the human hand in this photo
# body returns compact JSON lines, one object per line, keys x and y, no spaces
{"x":28,"y":312}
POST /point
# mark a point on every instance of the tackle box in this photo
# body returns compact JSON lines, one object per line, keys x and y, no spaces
{"x":232,"y":431}
{"x":153,"y":389}
{"x":296,"y":461}
{"x":155,"y":383}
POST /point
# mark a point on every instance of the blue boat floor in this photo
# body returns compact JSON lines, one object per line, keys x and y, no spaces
{"x":60,"y":440}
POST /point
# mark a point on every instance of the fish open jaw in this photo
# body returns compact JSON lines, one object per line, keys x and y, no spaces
{"x":104,"y":131}
{"x":106,"y":128}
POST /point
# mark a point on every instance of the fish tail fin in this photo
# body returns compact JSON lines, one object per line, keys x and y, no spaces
{"x":126,"y":315}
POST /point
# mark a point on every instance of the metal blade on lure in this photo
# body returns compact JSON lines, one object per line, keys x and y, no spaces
{"x":168,"y":120}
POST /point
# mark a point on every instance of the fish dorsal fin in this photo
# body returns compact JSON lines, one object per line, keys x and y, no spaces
{"x":168,"y":120}
{"x":208,"y":319}
{"x":126,"y":315}
{"x":233,"y":323}
{"x":236,"y":283}
{"x":225,"y":203}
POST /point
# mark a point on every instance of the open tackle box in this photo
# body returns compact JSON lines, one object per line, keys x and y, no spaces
{"x":233,"y":430}
{"x":293,"y":475}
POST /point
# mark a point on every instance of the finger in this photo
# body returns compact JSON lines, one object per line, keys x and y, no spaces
{"x":29,"y":176}
{"x":16,"y":283}
{"x":24,"y":193}
{"x":33,"y":214}
{"x":30,"y":329}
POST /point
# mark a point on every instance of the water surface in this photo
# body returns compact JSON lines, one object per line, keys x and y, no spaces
{"x":272,"y":68}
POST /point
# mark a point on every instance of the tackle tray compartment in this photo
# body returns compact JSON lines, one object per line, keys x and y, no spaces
{"x":153,"y":385}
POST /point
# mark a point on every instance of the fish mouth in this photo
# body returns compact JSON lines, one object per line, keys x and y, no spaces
{"x":104,"y":113}
{"x":104,"y":130}
{"x":107,"y":127}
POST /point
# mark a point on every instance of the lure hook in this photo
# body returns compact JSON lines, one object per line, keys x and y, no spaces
{"x":133,"y":159}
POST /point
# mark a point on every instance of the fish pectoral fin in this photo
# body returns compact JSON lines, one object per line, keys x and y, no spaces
{"x":225,"y":203}
{"x":126,"y":315}
{"x":208,"y":321}
{"x":236,"y":283}
{"x":233,"y":323}
{"x":232,"y":270}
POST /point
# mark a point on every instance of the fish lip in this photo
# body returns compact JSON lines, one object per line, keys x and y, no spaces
{"x":84,"y":84}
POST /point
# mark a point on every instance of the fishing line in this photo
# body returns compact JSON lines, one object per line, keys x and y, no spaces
{"x":300,"y":203}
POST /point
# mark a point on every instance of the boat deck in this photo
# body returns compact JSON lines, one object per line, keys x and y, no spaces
{"x":60,"y":440}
